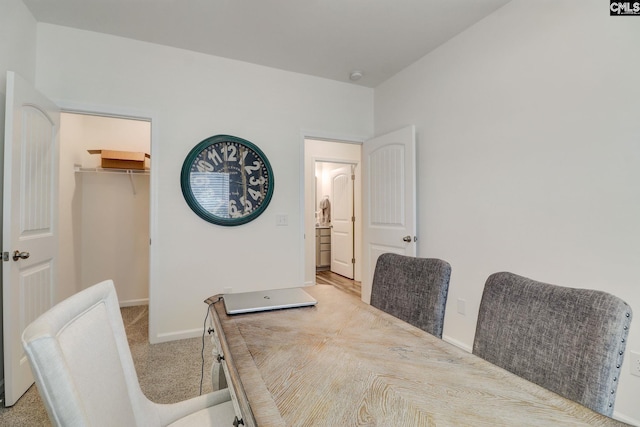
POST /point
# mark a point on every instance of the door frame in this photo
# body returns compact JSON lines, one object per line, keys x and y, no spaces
{"x":152,"y":118}
{"x":307,"y":225}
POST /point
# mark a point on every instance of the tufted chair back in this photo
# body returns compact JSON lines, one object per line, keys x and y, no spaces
{"x":570,"y":341}
{"x":412,"y":289}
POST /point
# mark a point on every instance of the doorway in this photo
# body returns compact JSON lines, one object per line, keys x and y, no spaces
{"x":335,"y":218}
{"x":332,"y":211}
{"x":105,"y":212}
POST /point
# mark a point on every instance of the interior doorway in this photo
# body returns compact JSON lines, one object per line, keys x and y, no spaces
{"x":332,"y":209}
{"x":105,"y":212}
{"x":335,"y":217}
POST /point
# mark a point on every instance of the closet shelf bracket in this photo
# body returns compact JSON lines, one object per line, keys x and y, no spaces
{"x":133,"y":184}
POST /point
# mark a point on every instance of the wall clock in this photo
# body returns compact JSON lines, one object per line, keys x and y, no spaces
{"x":227,"y":180}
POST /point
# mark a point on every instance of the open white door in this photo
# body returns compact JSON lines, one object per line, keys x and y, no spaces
{"x":389,"y":195}
{"x":30,"y":222}
{"x":342,"y":220}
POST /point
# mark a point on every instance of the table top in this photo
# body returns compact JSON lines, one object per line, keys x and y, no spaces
{"x":344,"y":362}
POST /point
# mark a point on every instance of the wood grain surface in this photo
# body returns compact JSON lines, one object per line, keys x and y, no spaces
{"x":345,"y":363}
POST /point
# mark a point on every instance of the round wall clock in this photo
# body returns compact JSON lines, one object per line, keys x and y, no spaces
{"x":227,"y":180}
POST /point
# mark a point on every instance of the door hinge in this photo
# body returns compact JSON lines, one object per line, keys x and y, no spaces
{"x":353,"y":260}
{"x":353,"y":219}
{"x":5,"y":256}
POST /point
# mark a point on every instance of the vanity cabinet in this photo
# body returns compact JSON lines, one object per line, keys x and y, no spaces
{"x":323,"y":247}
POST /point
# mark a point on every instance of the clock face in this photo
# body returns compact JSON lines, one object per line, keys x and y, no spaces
{"x":227,"y":180}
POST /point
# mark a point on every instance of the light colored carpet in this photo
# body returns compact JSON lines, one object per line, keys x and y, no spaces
{"x":168,"y":372}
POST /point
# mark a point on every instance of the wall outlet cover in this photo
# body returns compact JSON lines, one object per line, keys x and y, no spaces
{"x":635,"y":363}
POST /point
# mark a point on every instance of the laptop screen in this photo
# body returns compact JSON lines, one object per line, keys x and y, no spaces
{"x":273,"y":299}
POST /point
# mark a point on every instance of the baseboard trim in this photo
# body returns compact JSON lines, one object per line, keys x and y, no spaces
{"x":457,"y":343}
{"x":179,"y":335}
{"x":134,"y":302}
{"x":621,"y":417}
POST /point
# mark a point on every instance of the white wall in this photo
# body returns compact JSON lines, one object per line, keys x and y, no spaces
{"x":529,"y":155}
{"x":190,"y":97}
{"x":17,"y":42}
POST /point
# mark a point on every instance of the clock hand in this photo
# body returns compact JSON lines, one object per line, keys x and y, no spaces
{"x":225,"y":168}
{"x":244,"y":179}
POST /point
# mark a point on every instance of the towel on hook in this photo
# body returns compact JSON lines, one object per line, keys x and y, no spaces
{"x":325,"y":206}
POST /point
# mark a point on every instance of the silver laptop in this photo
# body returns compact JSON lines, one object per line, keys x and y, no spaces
{"x":273,"y":299}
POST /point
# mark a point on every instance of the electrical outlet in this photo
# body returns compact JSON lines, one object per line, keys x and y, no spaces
{"x":635,"y":363}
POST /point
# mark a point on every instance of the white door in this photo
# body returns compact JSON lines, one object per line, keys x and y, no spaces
{"x":389,"y":214}
{"x":30,"y":215}
{"x":342,"y":218}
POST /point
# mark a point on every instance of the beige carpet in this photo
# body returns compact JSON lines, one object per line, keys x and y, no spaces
{"x":168,"y":372}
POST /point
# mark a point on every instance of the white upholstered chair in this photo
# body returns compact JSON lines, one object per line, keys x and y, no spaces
{"x":85,"y":374}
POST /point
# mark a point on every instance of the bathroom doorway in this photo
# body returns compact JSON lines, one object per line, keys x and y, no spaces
{"x":332,"y":209}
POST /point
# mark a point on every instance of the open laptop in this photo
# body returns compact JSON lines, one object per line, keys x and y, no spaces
{"x":273,"y":299}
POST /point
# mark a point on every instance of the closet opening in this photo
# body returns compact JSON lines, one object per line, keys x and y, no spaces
{"x":105,"y":211}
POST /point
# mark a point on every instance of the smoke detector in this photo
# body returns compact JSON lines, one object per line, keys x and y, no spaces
{"x":355,"y":75}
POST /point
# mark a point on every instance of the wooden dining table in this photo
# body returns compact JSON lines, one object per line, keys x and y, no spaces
{"x":346,"y":363}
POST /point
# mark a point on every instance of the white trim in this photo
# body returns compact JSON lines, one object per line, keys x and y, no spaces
{"x":178,"y":335}
{"x":104,"y":110}
{"x":625,"y":419}
{"x":301,"y":226}
{"x":457,"y":343}
{"x":134,"y":302}
{"x":331,"y":137}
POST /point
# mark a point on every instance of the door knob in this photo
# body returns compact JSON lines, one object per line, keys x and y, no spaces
{"x":407,"y":239}
{"x":20,"y":255}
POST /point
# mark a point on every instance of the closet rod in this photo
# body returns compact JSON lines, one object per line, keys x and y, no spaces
{"x":129,"y":172}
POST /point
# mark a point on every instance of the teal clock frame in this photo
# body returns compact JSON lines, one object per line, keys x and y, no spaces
{"x":197,"y":208}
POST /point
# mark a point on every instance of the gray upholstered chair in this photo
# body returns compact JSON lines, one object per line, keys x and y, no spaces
{"x":85,"y":374}
{"x":412,"y":289}
{"x":570,"y":341}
